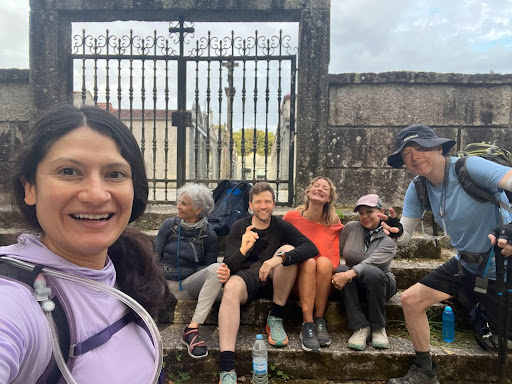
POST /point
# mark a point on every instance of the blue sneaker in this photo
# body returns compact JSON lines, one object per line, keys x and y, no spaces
{"x":276,"y":334}
{"x":227,"y":377}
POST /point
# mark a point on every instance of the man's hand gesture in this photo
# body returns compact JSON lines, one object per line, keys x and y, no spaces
{"x":248,"y":240}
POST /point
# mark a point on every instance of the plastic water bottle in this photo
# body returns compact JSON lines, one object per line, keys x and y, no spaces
{"x":259,"y":361}
{"x":448,"y":324}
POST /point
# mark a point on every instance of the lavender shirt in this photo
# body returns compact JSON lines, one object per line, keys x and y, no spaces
{"x":25,"y":347}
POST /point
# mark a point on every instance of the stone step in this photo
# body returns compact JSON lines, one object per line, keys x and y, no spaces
{"x":459,"y":362}
{"x":255,"y":313}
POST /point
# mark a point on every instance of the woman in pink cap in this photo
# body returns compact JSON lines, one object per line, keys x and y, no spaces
{"x":367,"y":275}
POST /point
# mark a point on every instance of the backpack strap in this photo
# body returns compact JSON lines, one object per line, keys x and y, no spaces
{"x":101,"y":337}
{"x":52,"y":372}
{"x":420,"y":184}
{"x":473,"y":189}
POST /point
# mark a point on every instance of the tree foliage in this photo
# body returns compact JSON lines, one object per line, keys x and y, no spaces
{"x":249,"y":141}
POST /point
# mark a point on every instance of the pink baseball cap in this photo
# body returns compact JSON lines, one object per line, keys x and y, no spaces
{"x":371,"y":200}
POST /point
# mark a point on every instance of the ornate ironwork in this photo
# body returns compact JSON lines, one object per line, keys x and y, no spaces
{"x":144,"y":62}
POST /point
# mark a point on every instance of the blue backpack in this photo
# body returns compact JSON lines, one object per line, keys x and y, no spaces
{"x":231,"y":204}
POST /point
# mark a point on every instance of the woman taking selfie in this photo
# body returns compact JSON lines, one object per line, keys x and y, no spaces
{"x":79,"y":180}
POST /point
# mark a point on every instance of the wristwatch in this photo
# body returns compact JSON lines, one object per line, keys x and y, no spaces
{"x":282,"y":255}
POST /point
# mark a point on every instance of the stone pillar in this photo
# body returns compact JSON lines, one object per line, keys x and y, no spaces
{"x":312,"y":101}
{"x":50,"y":69}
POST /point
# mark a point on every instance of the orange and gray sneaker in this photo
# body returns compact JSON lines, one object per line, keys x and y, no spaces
{"x":276,"y":334}
{"x":228,"y":377}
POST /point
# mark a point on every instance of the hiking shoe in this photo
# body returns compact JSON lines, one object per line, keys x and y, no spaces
{"x":359,"y":338}
{"x":276,"y":334}
{"x":380,"y":339}
{"x":321,"y":332}
{"x":227,"y":377}
{"x":417,"y":375}
{"x":308,"y":337}
{"x":195,"y":347}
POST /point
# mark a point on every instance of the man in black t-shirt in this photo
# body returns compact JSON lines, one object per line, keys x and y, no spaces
{"x":263,"y":250}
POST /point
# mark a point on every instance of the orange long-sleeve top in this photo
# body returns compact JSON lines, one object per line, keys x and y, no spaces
{"x":326,"y":238}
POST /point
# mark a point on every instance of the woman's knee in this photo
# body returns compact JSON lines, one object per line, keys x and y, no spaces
{"x":323,"y":266}
{"x":307,"y":266}
{"x":212,"y":269}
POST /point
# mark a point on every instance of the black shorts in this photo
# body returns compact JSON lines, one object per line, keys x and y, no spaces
{"x":255,"y":287}
{"x":444,"y":279}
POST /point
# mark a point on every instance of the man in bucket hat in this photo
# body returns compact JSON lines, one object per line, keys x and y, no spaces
{"x":472,"y":226}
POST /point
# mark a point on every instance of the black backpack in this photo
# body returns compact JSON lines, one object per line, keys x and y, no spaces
{"x":231,"y":204}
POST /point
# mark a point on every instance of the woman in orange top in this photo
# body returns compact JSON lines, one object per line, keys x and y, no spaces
{"x":318,"y":221}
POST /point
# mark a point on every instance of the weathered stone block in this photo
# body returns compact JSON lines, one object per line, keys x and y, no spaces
{"x":352,"y":183}
{"x":405,"y":104}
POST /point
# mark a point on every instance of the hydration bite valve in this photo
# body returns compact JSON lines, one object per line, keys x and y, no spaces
{"x":42,"y":293}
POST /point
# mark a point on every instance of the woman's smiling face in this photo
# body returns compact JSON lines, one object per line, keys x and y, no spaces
{"x":83,"y":193}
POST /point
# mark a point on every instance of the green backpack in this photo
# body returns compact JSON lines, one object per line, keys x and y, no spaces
{"x":489,"y":152}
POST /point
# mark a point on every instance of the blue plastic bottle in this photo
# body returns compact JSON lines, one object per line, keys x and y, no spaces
{"x":259,"y":361}
{"x":448,"y":325}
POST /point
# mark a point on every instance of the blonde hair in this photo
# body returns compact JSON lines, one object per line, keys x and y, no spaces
{"x":329,"y":215}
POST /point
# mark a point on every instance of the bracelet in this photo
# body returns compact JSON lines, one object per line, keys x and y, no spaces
{"x":350,"y":280}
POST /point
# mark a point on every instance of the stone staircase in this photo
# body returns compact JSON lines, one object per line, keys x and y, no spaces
{"x":459,"y":362}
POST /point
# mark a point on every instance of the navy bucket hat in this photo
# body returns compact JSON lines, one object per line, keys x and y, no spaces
{"x":422,"y":135}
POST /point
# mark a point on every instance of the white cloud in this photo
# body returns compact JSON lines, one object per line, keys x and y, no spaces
{"x":471,"y":36}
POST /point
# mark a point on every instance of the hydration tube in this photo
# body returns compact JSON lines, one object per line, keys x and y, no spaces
{"x":121,"y":296}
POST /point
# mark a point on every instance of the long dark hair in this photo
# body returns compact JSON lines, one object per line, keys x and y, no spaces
{"x":132,"y":254}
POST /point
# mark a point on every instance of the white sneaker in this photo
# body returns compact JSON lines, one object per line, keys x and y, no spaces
{"x":359,"y":338}
{"x":380,"y":339}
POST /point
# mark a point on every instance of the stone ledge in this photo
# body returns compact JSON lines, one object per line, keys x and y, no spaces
{"x":14,"y":75}
{"x":461,"y":362}
{"x":411,"y":77}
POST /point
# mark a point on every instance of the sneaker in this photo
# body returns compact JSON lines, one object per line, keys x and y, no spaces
{"x":308,"y":337}
{"x":417,"y":375}
{"x":195,"y":347}
{"x":380,"y":339}
{"x":359,"y":338}
{"x":321,"y":332}
{"x":276,"y":334}
{"x":227,"y":377}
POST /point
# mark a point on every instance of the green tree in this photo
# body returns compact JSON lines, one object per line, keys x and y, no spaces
{"x":249,"y":137}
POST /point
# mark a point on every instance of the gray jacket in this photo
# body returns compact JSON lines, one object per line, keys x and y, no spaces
{"x":380,"y":252}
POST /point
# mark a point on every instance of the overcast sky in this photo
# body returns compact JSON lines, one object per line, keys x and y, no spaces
{"x":468,"y":36}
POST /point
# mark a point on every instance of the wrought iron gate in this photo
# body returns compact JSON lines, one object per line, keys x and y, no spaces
{"x":214,"y":150}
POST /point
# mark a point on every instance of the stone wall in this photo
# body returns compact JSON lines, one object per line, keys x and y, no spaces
{"x":367,"y":110}
{"x":15,"y":113}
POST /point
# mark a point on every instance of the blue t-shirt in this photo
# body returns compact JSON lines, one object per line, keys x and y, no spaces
{"x":467,"y":221}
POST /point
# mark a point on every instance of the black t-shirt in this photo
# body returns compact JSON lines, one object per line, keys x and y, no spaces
{"x":278,"y":233}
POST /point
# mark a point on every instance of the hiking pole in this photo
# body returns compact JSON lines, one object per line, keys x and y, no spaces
{"x":508,"y":304}
{"x":502,"y":342}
